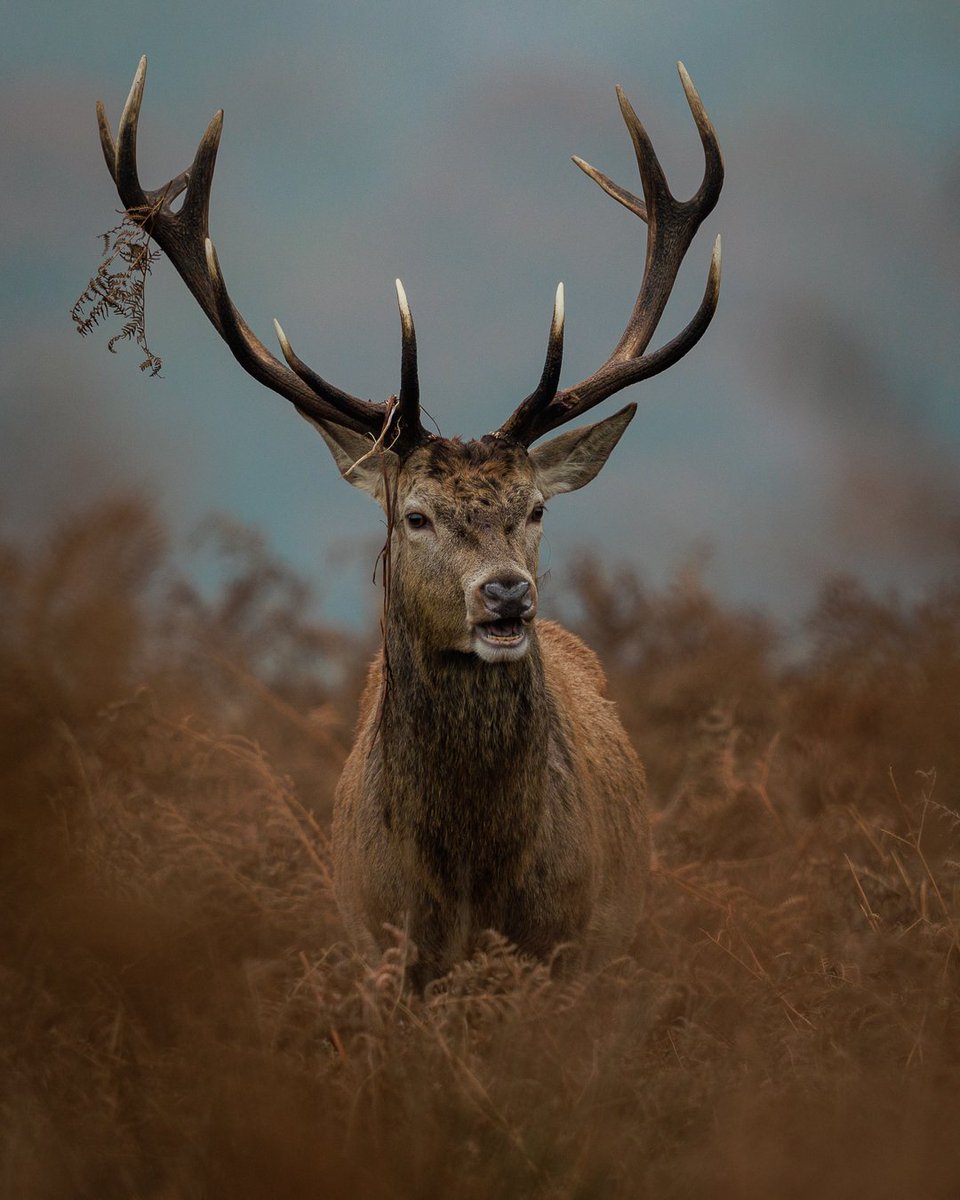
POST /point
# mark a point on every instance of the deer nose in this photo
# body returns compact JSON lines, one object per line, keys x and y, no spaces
{"x":508,"y":596}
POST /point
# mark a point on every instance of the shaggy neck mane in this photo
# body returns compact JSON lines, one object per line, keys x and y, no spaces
{"x":463,"y":750}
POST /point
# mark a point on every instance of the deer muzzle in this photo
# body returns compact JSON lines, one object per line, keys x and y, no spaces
{"x":503,"y":609}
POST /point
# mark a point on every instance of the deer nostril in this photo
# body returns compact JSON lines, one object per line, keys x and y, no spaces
{"x":507,"y":596}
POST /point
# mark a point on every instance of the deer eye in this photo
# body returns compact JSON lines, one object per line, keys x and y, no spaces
{"x":418,"y":520}
{"x":536,"y":516}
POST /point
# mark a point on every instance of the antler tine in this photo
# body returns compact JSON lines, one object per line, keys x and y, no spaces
{"x":410,"y":431}
{"x":620,"y":194}
{"x":106,"y":141}
{"x":546,"y":389}
{"x":195,"y":210}
{"x":617,"y":374}
{"x":316,"y":383}
{"x":121,"y":158}
{"x":313,"y":396}
{"x":125,"y":170}
{"x":652,"y":178}
{"x":671,"y":226}
{"x":709,"y":191}
{"x":184,"y":238}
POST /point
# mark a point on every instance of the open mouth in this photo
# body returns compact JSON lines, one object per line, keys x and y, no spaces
{"x":507,"y":633}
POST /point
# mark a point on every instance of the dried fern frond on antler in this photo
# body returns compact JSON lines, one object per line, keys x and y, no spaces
{"x":119,"y":288}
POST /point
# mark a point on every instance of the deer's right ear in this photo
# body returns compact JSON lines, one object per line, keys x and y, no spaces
{"x":572,"y":459}
{"x":359,"y":463}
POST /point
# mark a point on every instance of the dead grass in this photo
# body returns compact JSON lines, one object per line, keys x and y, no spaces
{"x":181,"y":1019}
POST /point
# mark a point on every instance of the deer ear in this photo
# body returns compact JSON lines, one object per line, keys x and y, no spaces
{"x":571,"y":460}
{"x":358,"y":461}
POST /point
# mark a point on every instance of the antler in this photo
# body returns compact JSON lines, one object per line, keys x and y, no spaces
{"x":671,"y":225}
{"x":184,"y":238}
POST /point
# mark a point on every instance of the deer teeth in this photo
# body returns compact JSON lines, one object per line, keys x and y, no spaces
{"x":503,"y":630}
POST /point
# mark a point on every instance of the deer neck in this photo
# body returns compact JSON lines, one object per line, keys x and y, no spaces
{"x":455,"y":711}
{"x":463,"y":748}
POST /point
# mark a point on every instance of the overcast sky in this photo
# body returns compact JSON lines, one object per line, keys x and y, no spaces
{"x":815,"y":429}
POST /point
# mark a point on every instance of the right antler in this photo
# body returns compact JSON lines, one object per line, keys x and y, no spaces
{"x":671,"y":225}
{"x":184,"y":238}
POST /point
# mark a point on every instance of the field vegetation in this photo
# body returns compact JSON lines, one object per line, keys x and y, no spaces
{"x":182,"y":1020}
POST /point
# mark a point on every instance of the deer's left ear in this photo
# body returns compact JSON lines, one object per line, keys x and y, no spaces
{"x":359,"y":461}
{"x":571,"y":460}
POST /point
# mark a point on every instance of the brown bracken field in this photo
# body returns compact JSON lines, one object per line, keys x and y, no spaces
{"x":182,"y":1019}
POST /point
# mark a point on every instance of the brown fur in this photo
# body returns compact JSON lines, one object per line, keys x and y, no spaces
{"x":480,"y":794}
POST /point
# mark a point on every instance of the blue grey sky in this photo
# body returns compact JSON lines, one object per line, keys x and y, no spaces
{"x":815,"y":429}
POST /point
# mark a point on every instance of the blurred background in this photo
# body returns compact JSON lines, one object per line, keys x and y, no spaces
{"x":815,"y":428}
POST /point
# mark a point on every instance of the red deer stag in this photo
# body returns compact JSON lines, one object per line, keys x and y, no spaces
{"x":490,"y":785}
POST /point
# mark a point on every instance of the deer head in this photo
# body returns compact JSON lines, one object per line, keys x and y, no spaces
{"x":466,"y":516}
{"x":467,"y":521}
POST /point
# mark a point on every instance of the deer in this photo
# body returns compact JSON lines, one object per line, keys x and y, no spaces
{"x":491,"y":784}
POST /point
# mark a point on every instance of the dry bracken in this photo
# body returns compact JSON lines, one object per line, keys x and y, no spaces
{"x":183,"y":1016}
{"x":118,"y":289}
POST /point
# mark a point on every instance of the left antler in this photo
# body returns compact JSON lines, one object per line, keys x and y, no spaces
{"x":671,"y":225}
{"x":184,"y":237}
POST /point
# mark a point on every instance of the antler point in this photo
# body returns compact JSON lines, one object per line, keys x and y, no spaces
{"x":284,"y":341}
{"x":211,"y":255}
{"x":715,"y":258}
{"x":689,"y":88}
{"x":406,"y":317}
{"x":588,"y":170}
{"x":139,"y":77}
